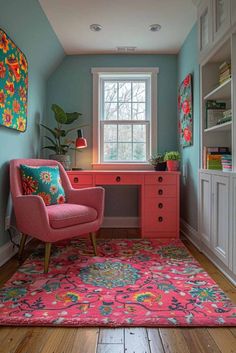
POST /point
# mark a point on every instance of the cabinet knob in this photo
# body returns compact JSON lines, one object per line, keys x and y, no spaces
{"x":160,"y":219}
{"x":160,"y":179}
{"x":118,"y":178}
{"x":160,"y":192}
{"x":76,"y":180}
{"x":160,"y":205}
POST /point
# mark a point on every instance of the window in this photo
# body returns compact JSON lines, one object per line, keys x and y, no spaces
{"x":124,"y":115}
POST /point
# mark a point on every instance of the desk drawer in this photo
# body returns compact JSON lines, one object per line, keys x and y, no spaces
{"x":157,"y":206}
{"x":166,"y":221}
{"x":78,"y":179}
{"x":160,"y":179}
{"x":118,"y":179}
{"x":160,"y":191}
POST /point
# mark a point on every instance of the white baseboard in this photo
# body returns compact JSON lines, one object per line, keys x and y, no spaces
{"x":192,"y":235}
{"x":120,"y":222}
{"x":8,"y":250}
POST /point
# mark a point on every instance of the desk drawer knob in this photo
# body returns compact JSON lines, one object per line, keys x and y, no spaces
{"x":118,"y":178}
{"x":160,"y":205}
{"x":160,"y":192}
{"x":160,"y":179}
{"x":160,"y":219}
{"x":76,"y":180}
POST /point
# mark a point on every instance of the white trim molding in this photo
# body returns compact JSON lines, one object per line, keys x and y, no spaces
{"x":100,"y":73}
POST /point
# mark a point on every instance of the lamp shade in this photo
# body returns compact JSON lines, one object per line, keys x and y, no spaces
{"x":80,"y":142}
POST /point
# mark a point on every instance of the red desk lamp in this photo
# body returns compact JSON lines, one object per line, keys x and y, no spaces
{"x":80,"y":142}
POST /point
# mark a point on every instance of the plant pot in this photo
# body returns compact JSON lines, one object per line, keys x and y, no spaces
{"x":172,"y":165}
{"x":160,"y":166}
{"x":64,"y":159}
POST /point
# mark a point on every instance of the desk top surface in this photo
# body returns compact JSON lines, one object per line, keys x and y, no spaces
{"x":92,"y":171}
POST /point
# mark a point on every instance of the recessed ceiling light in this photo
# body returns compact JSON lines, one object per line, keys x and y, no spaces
{"x":155,"y":27}
{"x":95,"y":27}
{"x":126,"y":49}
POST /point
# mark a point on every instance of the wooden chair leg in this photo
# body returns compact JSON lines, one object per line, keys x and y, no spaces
{"x":47,"y":256}
{"x":93,"y":241}
{"x":22,"y":245}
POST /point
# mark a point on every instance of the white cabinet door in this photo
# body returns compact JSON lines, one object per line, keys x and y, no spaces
{"x":221,"y":18}
{"x":205,"y":26}
{"x":233,"y":238}
{"x":205,"y":203}
{"x":233,"y":12}
{"x":220,"y":217}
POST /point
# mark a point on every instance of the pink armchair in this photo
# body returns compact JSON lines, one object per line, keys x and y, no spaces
{"x":81,"y":214}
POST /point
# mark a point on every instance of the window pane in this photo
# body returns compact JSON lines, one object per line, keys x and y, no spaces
{"x":124,"y":133}
{"x":139,"y":151}
{"x":124,"y":91}
{"x":110,"y":111}
{"x":110,"y":133}
{"x":125,"y":111}
{"x":139,"y":133}
{"x":139,"y":92}
{"x":110,"y":91}
{"x":139,"y":111}
{"x":110,"y":151}
{"x":124,"y":151}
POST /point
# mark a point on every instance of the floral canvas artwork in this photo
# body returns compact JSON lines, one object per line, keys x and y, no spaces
{"x":13,"y":85}
{"x":185,"y":112}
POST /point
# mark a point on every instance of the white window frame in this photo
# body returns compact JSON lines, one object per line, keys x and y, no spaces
{"x":98,"y":77}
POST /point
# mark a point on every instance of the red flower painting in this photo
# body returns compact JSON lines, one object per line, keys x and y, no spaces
{"x":185,"y":112}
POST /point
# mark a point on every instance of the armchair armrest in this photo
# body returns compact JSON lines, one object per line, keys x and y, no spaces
{"x":31,"y":215}
{"x":92,"y":197}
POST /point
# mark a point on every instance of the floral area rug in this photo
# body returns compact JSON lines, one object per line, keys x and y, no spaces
{"x":130,"y":283}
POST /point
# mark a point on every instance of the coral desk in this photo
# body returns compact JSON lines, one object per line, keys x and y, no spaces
{"x":159,"y":196}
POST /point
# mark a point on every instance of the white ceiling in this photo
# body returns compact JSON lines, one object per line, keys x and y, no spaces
{"x":124,"y":22}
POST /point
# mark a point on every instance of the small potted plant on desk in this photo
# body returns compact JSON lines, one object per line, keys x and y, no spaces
{"x":172,"y":159}
{"x":157,"y":160}
{"x":58,"y":139}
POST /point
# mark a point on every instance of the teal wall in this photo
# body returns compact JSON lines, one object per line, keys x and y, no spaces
{"x":71,"y":87}
{"x":188,"y":63}
{"x":26,"y":24}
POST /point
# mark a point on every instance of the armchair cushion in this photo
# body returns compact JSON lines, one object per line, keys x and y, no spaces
{"x":43,"y":181}
{"x":66,"y":215}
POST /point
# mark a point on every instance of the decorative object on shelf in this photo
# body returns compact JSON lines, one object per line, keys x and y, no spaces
{"x":214,"y":112}
{"x":172,"y":159}
{"x":157,"y":160}
{"x":185,"y":112}
{"x":59,"y":143}
{"x":14,"y":85}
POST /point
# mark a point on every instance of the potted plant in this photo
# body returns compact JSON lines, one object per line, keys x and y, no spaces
{"x":59,"y":142}
{"x":157,"y":160}
{"x":172,"y":159}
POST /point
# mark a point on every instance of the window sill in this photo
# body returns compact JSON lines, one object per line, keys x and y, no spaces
{"x":122,"y":166}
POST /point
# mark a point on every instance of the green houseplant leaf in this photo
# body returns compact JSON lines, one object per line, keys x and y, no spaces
{"x":53,"y":132}
{"x":71,"y":117}
{"x":59,"y":114}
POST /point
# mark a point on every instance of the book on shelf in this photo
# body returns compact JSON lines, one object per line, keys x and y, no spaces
{"x":224,"y":72}
{"x":212,"y":157}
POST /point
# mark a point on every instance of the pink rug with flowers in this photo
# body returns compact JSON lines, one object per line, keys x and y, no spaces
{"x":130,"y":283}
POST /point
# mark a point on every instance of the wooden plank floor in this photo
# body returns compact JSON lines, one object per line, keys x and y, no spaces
{"x":120,"y":340}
